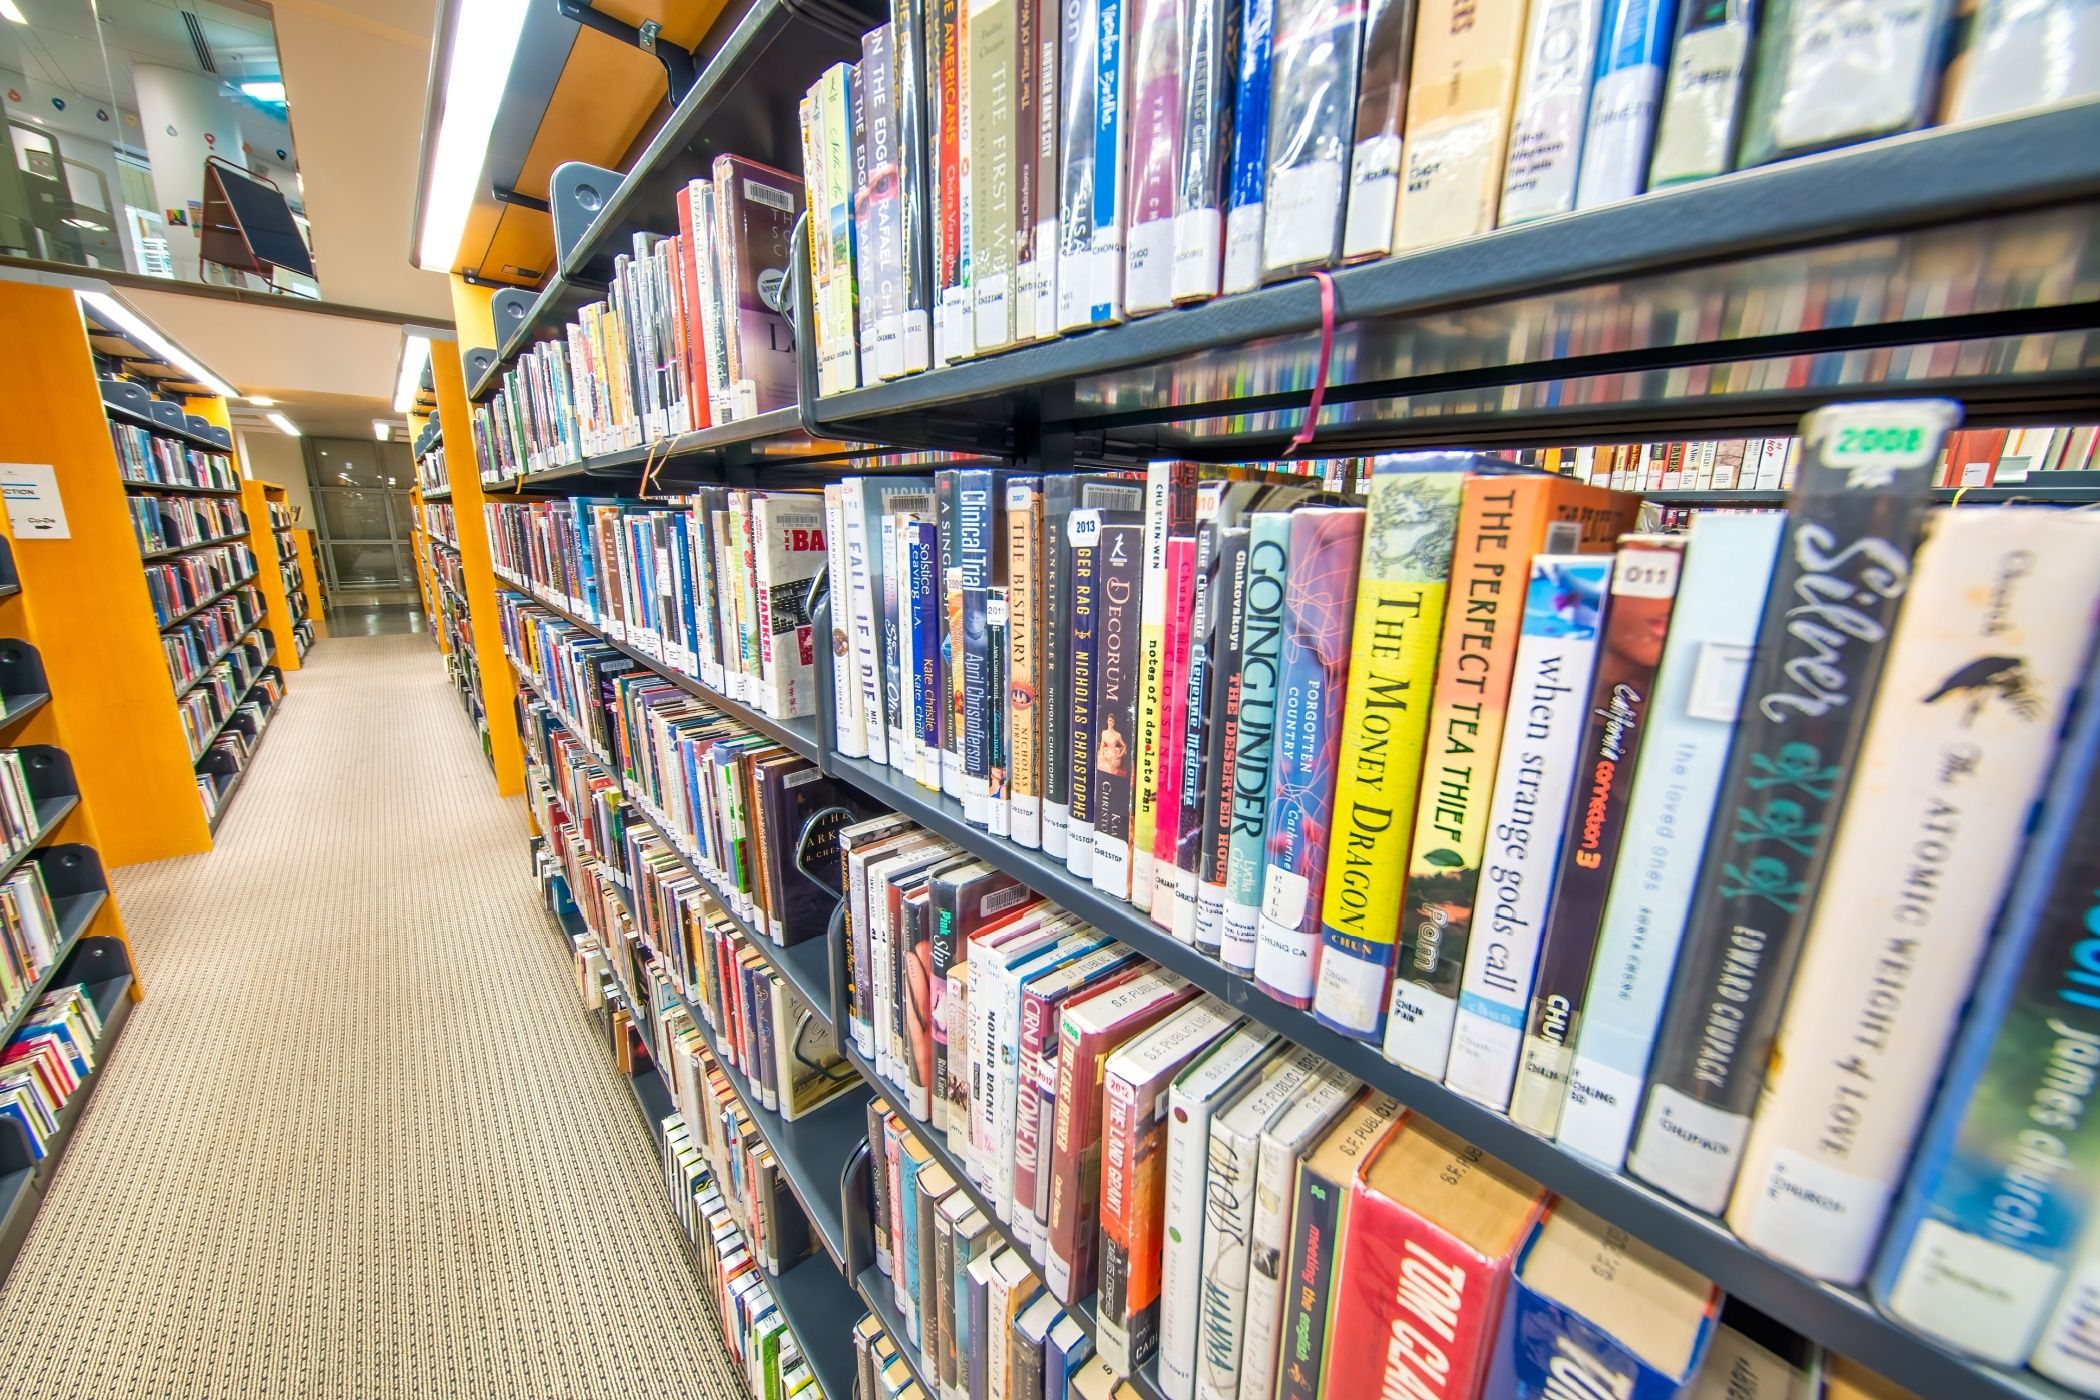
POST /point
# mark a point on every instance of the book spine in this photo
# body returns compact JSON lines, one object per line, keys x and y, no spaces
{"x":913,"y":208}
{"x":1325,"y":549}
{"x":1813,"y":87}
{"x":976,"y":520}
{"x":1111,"y":140}
{"x":1241,"y":271}
{"x":944,"y":950}
{"x":1311,"y":118}
{"x":814,"y":119}
{"x":901,"y":742}
{"x":1380,"y":105}
{"x":1173,"y":728}
{"x":844,"y":112}
{"x":998,"y":627}
{"x":1166,"y":487}
{"x":1643,"y":589}
{"x":1402,"y":1276}
{"x":994,"y":132}
{"x":1038,"y":1030}
{"x":1956,"y":750}
{"x":1631,"y":52}
{"x":1318,"y":1217}
{"x":1228,"y":1227}
{"x":1077,"y":174}
{"x":1501,"y":525}
{"x":879,"y":1187}
{"x":1261,"y":662}
{"x":1024,"y":542}
{"x":952,"y":651}
{"x":1054,"y":574}
{"x":1847,"y":555}
{"x":1083,"y":611}
{"x":1211,"y":46}
{"x":1275,"y":1184}
{"x":1028,"y":56}
{"x":1399,"y":617}
{"x":1120,"y":1132}
{"x":1553,"y":101}
{"x":1195,"y":737}
{"x":929,"y":697}
{"x":951,"y":274}
{"x":864,"y":631}
{"x":1155,"y":142}
{"x":1115,"y":749}
{"x":1066,"y":1267}
{"x":2006,"y":64}
{"x":1556,"y":658}
{"x":1049,"y":28}
{"x":1228,"y":588}
{"x":879,"y":265}
{"x":1465,"y":76}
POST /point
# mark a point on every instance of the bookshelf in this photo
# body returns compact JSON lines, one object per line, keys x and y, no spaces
{"x":90,"y":948}
{"x":289,"y":581}
{"x":1924,"y":264}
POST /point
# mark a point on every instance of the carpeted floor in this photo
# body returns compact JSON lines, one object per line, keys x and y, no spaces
{"x":359,"y":1142}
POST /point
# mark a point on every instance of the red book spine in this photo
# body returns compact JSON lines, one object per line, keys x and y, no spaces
{"x":1173,"y":710}
{"x":1414,"y":1310}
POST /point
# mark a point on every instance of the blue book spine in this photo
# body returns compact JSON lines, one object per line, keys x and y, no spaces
{"x":2007,"y":1174}
{"x":1109,"y":150}
{"x":976,"y":523}
{"x":1632,"y":47}
{"x":908,"y":1241}
{"x":926,"y":598}
{"x":1250,"y":149}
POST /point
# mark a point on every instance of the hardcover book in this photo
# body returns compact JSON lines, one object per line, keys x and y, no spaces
{"x":1119,"y":564}
{"x":1312,"y":122}
{"x":1633,"y":44}
{"x":1260,"y":665}
{"x":1211,"y":49}
{"x":1381,"y":105}
{"x":1157,"y":66}
{"x":1980,"y":671}
{"x":1227,"y":590}
{"x":1249,"y":175}
{"x":1170,"y":511}
{"x":1832,"y":72}
{"x":1025,"y":665}
{"x":1466,"y":64}
{"x":1553,"y":100}
{"x":1844,"y":568}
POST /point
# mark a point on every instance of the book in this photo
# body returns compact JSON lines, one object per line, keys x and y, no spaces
{"x":1326,"y":544}
{"x":1813,"y":86}
{"x":1249,"y":170}
{"x":755,"y":211}
{"x":1170,"y":510}
{"x":1174,"y":760}
{"x":788,"y":538}
{"x":1312,"y":116}
{"x":1751,"y":1357}
{"x":1157,"y":94}
{"x":950,"y":626}
{"x":1137,"y":1079}
{"x":1036,"y":1121}
{"x":1228,"y":1215}
{"x":1087,"y":1031}
{"x":2011,"y":1119}
{"x":1025,"y":668}
{"x":1433,"y":1229}
{"x":1643,"y":590}
{"x":2020,"y":57}
{"x":1721,"y":595}
{"x":1014,"y":1082}
{"x":1466,"y":62}
{"x":1413,"y":506}
{"x":1564,"y":610}
{"x":1065,"y":1352}
{"x":1695,"y":130}
{"x":1060,"y":491}
{"x":1503,"y":521}
{"x":1632,"y":46}
{"x":1184,"y":876}
{"x":1255,"y":716}
{"x":994,"y":162}
{"x":1981,"y":668}
{"x":981,"y":563}
{"x":1227,"y":591}
{"x":1594,"y":1307}
{"x":1212,"y":1080}
{"x":1118,"y":644}
{"x":1380,"y":100}
{"x":1552,"y":110}
{"x":1031,"y":1335}
{"x":1289,"y":1137}
{"x":1210,"y":57}
{"x":1856,"y":514}
{"x":1079,"y":86}
{"x":911,"y":102}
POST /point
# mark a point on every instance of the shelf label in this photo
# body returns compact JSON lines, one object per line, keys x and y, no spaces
{"x":33,"y":505}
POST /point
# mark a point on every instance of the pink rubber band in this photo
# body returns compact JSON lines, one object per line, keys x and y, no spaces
{"x":1304,"y":436}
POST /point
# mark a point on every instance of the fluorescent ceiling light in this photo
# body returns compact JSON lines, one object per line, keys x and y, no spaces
{"x":283,"y":424}
{"x":484,"y":41}
{"x":12,"y":12}
{"x":415,"y":353}
{"x":260,"y":402}
{"x":381,"y":428}
{"x":261,"y":89}
{"x":136,"y":326}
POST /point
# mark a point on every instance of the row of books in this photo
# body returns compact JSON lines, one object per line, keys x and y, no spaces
{"x":178,"y":522}
{"x":45,"y":1063}
{"x":1270,"y":1217}
{"x":206,"y":706}
{"x":19,"y":826}
{"x":199,"y":641}
{"x":992,"y":174}
{"x":691,"y":334}
{"x":156,"y":458}
{"x":234,"y":748}
{"x":715,"y":588}
{"x":431,"y":475}
{"x":712,"y":1206}
{"x":29,"y":935}
{"x":440,"y":523}
{"x":180,"y":584}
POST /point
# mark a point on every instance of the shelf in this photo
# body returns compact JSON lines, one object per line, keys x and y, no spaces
{"x":121,"y":414}
{"x":1850,"y":252}
{"x":236,"y":586}
{"x":1842,"y":1319}
{"x":22,"y":1191}
{"x":176,"y":488}
{"x":771,"y":439}
{"x":226,"y":794}
{"x":50,"y":813}
{"x":2038,"y":491}
{"x":73,"y":912}
{"x":873,"y":1286}
{"x":441,"y":494}
{"x":14,"y":708}
{"x":798,"y":735}
{"x":174,"y":551}
{"x":216,"y":657}
{"x":558,"y":301}
{"x":816,"y":1301}
{"x":239,"y":700}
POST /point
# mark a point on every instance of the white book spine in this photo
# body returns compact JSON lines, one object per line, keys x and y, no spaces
{"x":1981,"y":668}
{"x":862,"y":627}
{"x":1526,"y":816}
{"x":1728,"y":563}
{"x":957,"y":1010}
{"x":1545,"y":135}
{"x":1004,"y":1055}
{"x":2069,"y":1351}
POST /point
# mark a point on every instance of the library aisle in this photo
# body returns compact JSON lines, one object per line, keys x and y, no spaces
{"x":361,"y":1142}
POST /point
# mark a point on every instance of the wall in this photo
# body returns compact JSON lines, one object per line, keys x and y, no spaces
{"x":271,"y":456}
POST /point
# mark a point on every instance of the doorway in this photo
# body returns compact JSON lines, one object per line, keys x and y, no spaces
{"x":363,"y":513}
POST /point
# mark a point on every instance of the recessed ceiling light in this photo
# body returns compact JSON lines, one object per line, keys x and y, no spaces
{"x":262,"y":90}
{"x":380,"y":428}
{"x":12,"y":12}
{"x":260,"y":402}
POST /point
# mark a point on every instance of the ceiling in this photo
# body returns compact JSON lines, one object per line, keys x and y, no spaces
{"x":64,"y":46}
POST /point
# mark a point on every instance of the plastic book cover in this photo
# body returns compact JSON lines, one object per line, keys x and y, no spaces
{"x":1053,"y":566}
{"x":1381,"y":103}
{"x":905,"y":195}
{"x":994,"y":135}
{"x":1210,"y":37}
{"x":1261,"y":662}
{"x":1111,"y":138}
{"x":1853,"y":522}
{"x":950,"y":707}
{"x":1248,"y":176}
{"x":756,"y":207}
{"x":1118,"y":557}
{"x":1326,"y":547}
{"x":1156,"y":139}
{"x":1633,"y":44}
{"x":1049,"y":34}
{"x":1467,"y":55}
{"x":1076,"y":164}
{"x":998,"y":624}
{"x":1695,"y":132}
{"x":1227,"y":590}
{"x":1168,"y":767}
{"x":1025,"y":670}
{"x":1081,"y":685}
{"x":1553,"y":102}
{"x":2020,"y":56}
{"x":1188,"y":783}
{"x":1312,"y":123}
{"x":981,"y":564}
{"x":1170,"y":509}
{"x":1833,"y":72}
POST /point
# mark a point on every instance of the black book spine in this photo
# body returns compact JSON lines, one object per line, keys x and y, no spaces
{"x":1844,"y":567}
{"x":1121,"y":556}
{"x":976,"y":521}
{"x":1083,"y":606}
{"x":1228,"y":599}
{"x":1053,"y":695}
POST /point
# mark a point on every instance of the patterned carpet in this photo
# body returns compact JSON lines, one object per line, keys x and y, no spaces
{"x":360,"y":1140}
